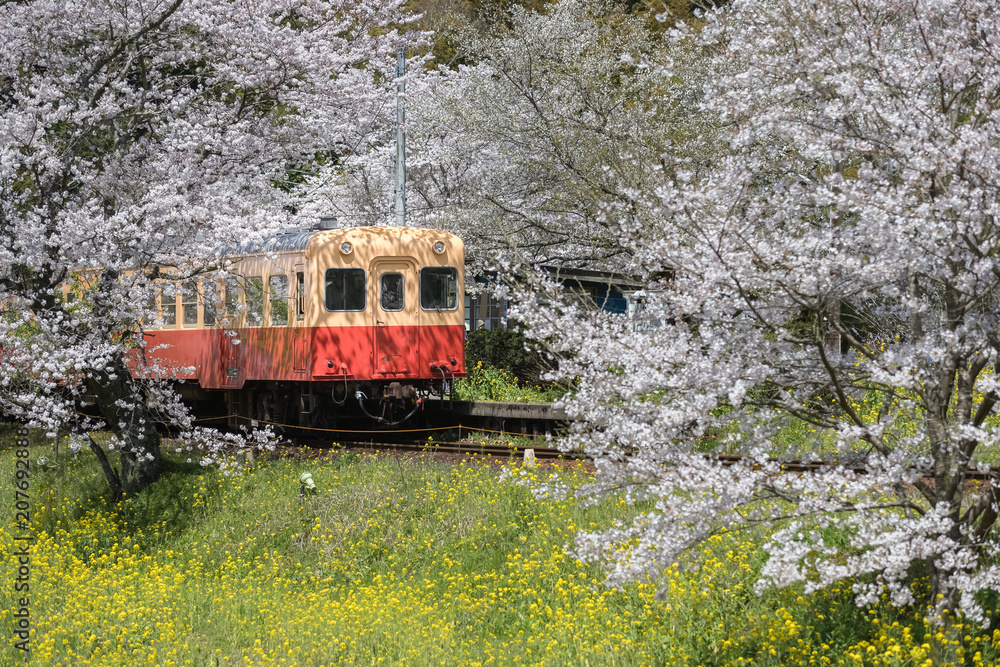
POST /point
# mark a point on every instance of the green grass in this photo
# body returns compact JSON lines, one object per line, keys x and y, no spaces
{"x":413,"y":561}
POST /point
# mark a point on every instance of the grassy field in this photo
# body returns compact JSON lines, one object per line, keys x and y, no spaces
{"x":418,"y":561}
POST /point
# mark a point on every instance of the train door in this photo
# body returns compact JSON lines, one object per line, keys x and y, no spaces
{"x":300,"y":333}
{"x":232,"y":375}
{"x":230,"y":349}
{"x":395,"y":326}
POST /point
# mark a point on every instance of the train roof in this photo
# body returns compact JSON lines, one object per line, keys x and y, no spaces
{"x":299,"y":241}
{"x":290,"y":242}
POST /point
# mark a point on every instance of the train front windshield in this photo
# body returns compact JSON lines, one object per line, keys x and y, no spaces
{"x":345,"y":289}
{"x":439,"y":288}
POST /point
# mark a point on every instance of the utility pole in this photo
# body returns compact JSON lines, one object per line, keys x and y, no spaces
{"x":398,"y":172}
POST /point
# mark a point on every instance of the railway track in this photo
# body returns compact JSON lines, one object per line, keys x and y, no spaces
{"x":454,"y":447}
{"x":543,"y":451}
{"x":440,"y":420}
{"x":795,"y":466}
{"x":531,"y":422}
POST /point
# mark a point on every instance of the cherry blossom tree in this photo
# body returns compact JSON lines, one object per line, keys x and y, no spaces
{"x":534,"y":148}
{"x":549,"y":132}
{"x":838,"y":268}
{"x":139,"y":137}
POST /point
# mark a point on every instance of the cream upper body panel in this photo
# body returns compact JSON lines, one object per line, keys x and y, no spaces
{"x":261,"y":281}
{"x":361,"y":248}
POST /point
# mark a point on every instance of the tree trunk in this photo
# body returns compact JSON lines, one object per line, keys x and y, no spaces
{"x":109,"y":472}
{"x":124,"y":409}
{"x":139,"y":471}
{"x":949,"y":475}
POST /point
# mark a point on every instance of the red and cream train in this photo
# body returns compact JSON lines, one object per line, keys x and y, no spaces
{"x":313,"y":325}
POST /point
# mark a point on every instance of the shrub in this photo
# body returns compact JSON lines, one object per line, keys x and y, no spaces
{"x":489,"y":383}
{"x":504,"y":348}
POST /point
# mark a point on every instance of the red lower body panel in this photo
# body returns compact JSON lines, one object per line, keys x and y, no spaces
{"x":219,"y":360}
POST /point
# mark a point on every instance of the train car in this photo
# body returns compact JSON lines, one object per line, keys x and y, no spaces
{"x":312,"y":325}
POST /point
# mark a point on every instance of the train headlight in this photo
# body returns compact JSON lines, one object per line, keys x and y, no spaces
{"x":439,"y":247}
{"x":346,"y":248}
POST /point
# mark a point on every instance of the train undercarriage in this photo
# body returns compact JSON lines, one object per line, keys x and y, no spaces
{"x":330,"y":406}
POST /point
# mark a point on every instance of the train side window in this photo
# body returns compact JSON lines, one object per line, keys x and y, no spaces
{"x":392,"y":291}
{"x":277,"y":288}
{"x":189,"y":303}
{"x":232,"y":286}
{"x":439,"y":288}
{"x":345,"y":289}
{"x":209,"y":300}
{"x":254,"y":290}
{"x":300,"y":296}
{"x":150,"y":310}
{"x":168,"y":300}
